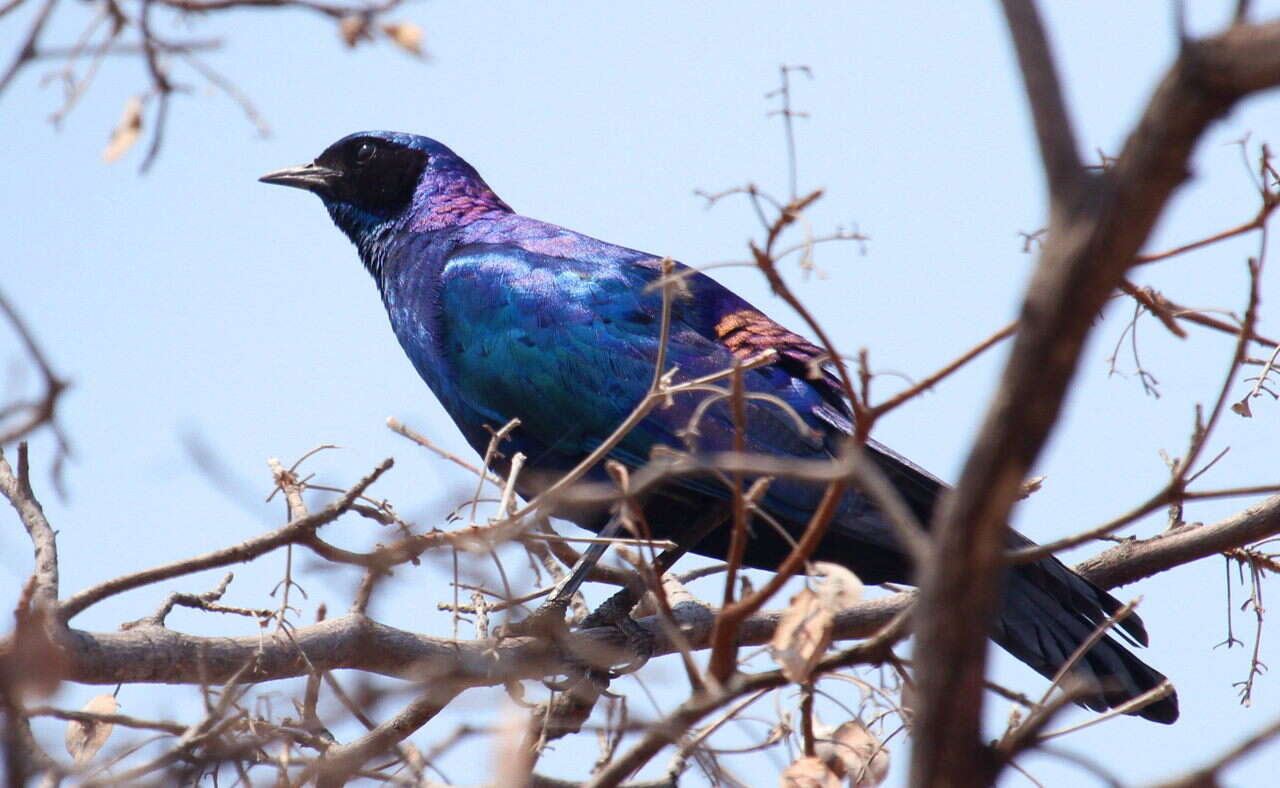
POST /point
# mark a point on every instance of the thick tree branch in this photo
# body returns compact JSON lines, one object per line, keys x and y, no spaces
{"x":152,"y":654}
{"x":1096,"y":230}
{"x":444,"y":667}
{"x":1130,"y":561}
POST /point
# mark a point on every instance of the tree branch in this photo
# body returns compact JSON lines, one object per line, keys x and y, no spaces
{"x":17,"y":488}
{"x":295,"y":531}
{"x":1134,"y":560}
{"x":1096,"y":228}
{"x":1057,"y":141}
{"x":152,"y":654}
{"x":340,"y":763}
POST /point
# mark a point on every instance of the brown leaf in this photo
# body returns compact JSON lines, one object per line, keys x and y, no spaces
{"x":126,"y":132}
{"x":85,"y":738}
{"x":854,"y":752}
{"x":802,"y":637}
{"x":809,"y":772}
{"x":36,"y":660}
{"x":352,"y":28}
{"x":804,"y":633}
{"x":838,"y":587}
{"x":406,"y":35}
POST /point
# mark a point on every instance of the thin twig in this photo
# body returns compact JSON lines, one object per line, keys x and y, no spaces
{"x":290,"y":533}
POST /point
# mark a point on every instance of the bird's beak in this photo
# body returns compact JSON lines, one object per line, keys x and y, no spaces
{"x":311,"y":177}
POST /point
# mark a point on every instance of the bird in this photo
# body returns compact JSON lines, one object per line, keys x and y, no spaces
{"x":508,"y":317}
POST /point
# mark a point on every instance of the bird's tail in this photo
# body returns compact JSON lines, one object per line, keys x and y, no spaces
{"x":1049,"y":611}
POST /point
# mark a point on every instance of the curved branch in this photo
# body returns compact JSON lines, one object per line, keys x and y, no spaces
{"x":40,"y":411}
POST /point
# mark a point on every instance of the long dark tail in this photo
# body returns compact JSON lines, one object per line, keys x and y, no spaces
{"x":1049,"y":611}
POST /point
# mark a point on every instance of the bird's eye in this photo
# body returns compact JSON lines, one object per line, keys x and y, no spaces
{"x":365,"y":152}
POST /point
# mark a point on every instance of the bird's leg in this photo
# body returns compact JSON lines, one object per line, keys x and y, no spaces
{"x":569,"y":586}
{"x":621,"y":603}
{"x":616,"y":610}
{"x":548,"y":619}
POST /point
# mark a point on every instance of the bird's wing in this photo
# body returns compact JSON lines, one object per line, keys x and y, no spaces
{"x":569,"y":346}
{"x":814,"y":385}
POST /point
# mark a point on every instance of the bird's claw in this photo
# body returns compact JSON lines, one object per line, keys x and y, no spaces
{"x":546,"y":623}
{"x":616,"y":613}
{"x":640,"y":642}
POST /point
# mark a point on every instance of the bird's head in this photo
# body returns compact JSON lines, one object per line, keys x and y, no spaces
{"x":373,"y":182}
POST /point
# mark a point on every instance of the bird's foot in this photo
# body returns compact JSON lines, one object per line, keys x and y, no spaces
{"x":616,"y":613}
{"x":545,"y":623}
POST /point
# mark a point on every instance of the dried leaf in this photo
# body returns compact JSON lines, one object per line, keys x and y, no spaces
{"x":804,"y":633}
{"x":126,"y":132}
{"x":802,"y":636}
{"x":854,"y":752}
{"x":36,"y":660}
{"x":809,"y":772}
{"x":352,"y":28}
{"x":85,"y":738}
{"x":838,"y":587}
{"x":406,"y":35}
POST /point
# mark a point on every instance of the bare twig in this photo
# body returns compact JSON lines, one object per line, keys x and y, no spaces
{"x":339,"y":763}
{"x":42,"y":410}
{"x":933,"y":380}
{"x":27,"y":49}
{"x":291,"y":533}
{"x":668,"y":730}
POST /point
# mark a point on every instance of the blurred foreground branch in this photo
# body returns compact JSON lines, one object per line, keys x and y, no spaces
{"x":1098,"y":223}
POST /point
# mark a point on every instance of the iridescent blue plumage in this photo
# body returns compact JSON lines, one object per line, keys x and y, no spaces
{"x":508,"y":317}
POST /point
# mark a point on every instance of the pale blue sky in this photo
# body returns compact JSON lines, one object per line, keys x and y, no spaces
{"x":197,"y":304}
